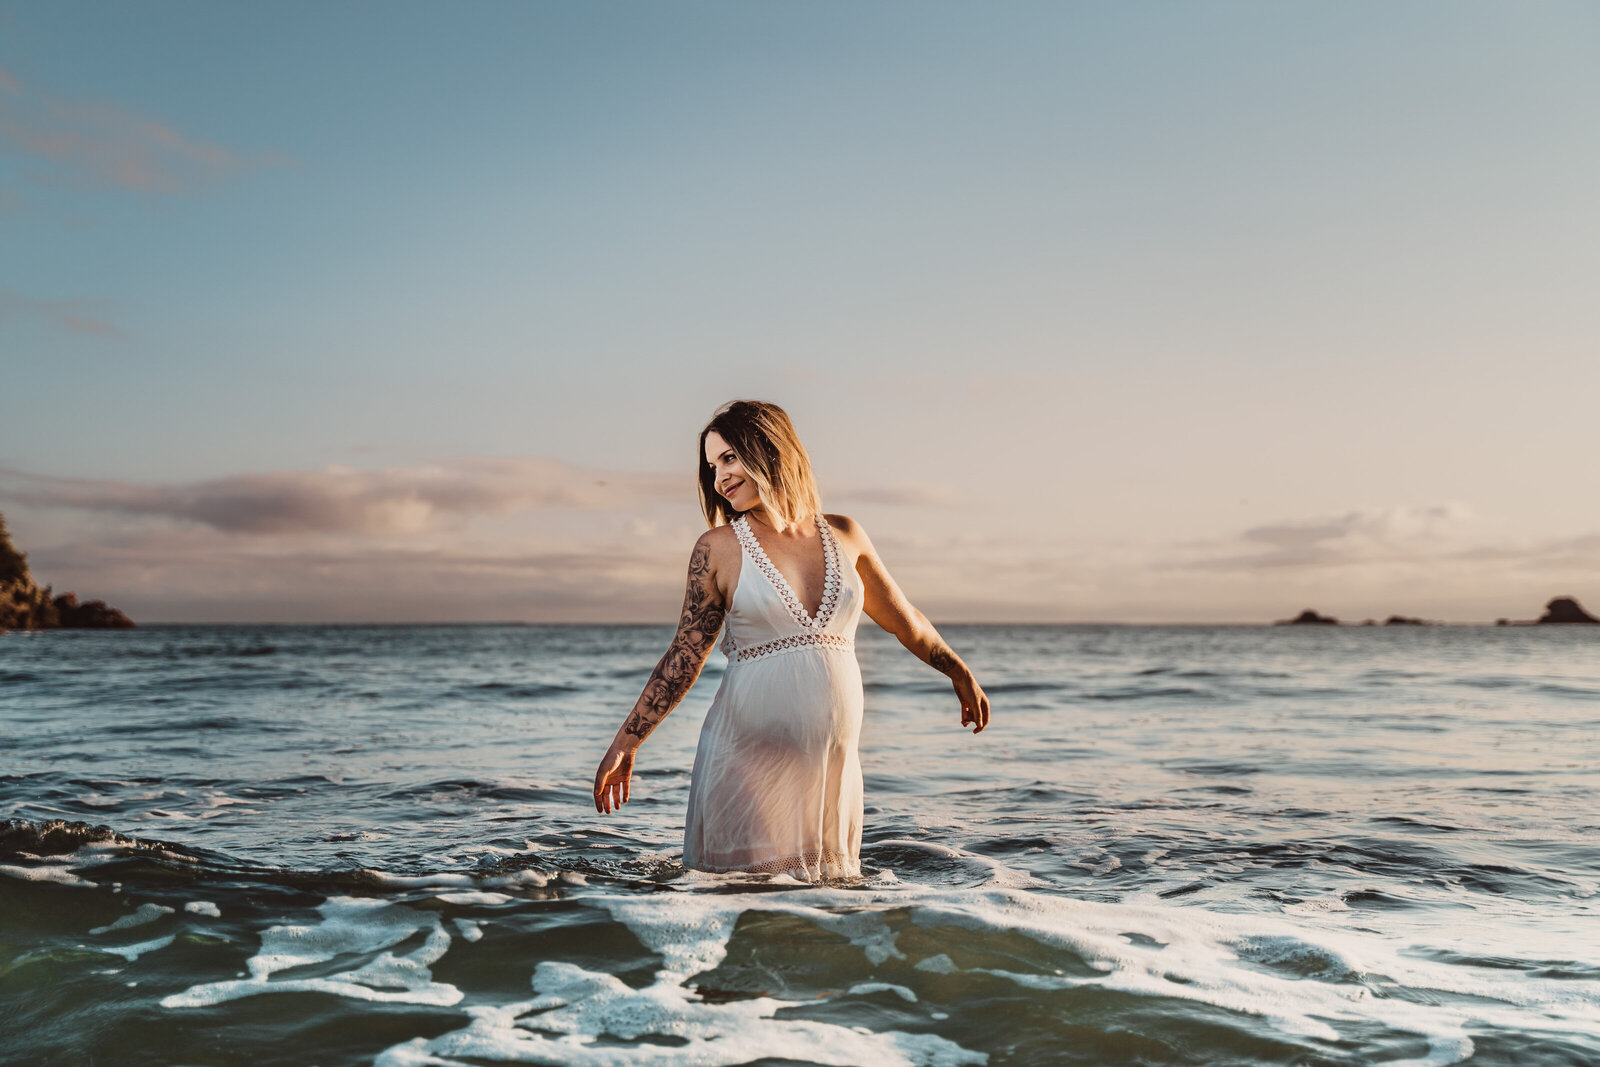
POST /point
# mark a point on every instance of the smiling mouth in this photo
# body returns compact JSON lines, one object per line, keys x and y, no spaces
{"x":730,"y":490}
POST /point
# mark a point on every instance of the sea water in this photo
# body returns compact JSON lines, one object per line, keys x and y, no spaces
{"x":377,"y":845}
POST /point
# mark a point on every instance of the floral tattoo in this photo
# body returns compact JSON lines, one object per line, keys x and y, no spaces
{"x":697,"y":631}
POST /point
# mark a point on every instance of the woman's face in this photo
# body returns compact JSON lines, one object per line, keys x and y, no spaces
{"x":729,"y":477}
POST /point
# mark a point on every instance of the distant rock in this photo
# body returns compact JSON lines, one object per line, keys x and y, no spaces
{"x":90,"y":615}
{"x":1308,"y":618}
{"x":25,"y":606}
{"x":1406,"y":620}
{"x":1565,"y":609}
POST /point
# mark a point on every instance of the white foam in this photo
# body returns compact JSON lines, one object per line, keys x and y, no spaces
{"x":203,"y":907}
{"x":1316,"y":905}
{"x":690,"y":932}
{"x":469,"y":930}
{"x":147,"y":913}
{"x":474,"y":897}
{"x":222,"y":800}
{"x":518,"y":879}
{"x":420,"y":881}
{"x":57,"y":875}
{"x":133,"y":952}
{"x":349,"y":925}
{"x":1303,"y":981}
{"x":575,"y":1006}
{"x":862,"y":988}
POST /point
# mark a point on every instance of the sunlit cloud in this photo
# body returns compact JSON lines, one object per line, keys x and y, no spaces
{"x":393,"y":501}
{"x":105,"y":145}
{"x":1365,"y":536}
{"x":203,"y":574}
{"x":539,"y":540}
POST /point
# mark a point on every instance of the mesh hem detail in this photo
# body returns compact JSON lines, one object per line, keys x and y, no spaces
{"x":815,"y":866}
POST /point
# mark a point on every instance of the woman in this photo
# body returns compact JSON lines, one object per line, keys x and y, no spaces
{"x":777,"y":780}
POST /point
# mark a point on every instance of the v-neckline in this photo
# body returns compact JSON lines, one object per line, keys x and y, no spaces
{"x":780,"y":584}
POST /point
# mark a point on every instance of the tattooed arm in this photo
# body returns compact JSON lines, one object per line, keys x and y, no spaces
{"x":887,"y":606}
{"x":703,"y":603}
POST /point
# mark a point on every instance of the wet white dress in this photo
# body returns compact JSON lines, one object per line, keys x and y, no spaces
{"x":777,"y":777}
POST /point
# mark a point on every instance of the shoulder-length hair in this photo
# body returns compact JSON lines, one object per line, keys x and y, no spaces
{"x":765,"y":441}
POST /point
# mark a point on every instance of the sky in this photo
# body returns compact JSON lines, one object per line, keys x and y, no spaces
{"x":1088,"y":312}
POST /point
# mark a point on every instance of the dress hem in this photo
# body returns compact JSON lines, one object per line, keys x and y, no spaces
{"x":809,"y":867}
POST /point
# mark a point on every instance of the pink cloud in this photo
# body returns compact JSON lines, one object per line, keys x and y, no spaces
{"x":79,"y":316}
{"x":397,"y":500}
{"x":107,"y":145}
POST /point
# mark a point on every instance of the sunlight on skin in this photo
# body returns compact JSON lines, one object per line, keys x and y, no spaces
{"x":713,"y":574}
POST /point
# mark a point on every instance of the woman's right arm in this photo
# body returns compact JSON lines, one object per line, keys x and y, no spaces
{"x":698,"y":625}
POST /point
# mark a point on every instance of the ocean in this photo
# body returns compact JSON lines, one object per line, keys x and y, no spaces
{"x":326,"y":845}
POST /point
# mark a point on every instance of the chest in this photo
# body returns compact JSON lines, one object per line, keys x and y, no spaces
{"x":804,"y":573}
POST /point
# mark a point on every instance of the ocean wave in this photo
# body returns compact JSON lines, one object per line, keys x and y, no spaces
{"x":907,"y":965}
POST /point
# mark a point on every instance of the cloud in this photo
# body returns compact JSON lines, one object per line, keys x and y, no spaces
{"x":79,"y":316}
{"x":1397,"y":534}
{"x":201,"y":574}
{"x":343,"y":500}
{"x":538,"y":539}
{"x":106,"y":145}
{"x":906,"y":495}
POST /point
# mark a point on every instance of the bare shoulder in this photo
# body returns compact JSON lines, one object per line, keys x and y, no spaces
{"x":717,"y":541}
{"x":718,"y":537}
{"x":850,"y":532}
{"x":716,"y":547}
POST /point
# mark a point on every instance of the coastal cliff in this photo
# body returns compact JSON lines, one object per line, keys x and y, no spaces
{"x":25,"y":606}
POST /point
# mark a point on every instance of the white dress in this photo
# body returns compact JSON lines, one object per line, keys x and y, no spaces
{"x":777,"y":777}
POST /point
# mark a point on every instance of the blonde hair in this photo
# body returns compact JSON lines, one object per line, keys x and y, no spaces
{"x":768,"y":447}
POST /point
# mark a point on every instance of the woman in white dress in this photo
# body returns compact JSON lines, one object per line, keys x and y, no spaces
{"x":777,"y":778}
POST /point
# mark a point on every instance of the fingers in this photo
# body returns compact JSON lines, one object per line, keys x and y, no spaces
{"x":975,"y":711}
{"x":611,"y":791}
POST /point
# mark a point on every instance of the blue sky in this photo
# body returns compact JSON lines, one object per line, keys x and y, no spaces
{"x":1140,"y":312}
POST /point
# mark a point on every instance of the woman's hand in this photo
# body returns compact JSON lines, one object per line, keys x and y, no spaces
{"x":974,"y":701}
{"x":614,"y":779}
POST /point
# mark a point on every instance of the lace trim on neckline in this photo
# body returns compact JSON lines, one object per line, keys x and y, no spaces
{"x":830,"y":573}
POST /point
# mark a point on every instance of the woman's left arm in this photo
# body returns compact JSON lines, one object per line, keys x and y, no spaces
{"x":887,"y":606}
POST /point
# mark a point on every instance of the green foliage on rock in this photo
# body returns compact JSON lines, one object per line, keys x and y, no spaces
{"x":24,"y":606}
{"x":13,"y":564}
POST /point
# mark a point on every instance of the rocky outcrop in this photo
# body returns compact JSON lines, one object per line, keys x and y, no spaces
{"x":1308,"y":618}
{"x":1406,"y":620}
{"x":1566,"y":609}
{"x":90,"y":615}
{"x":25,"y":606}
